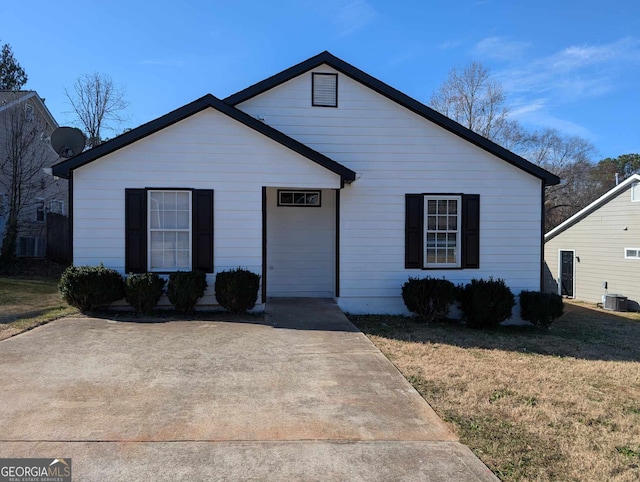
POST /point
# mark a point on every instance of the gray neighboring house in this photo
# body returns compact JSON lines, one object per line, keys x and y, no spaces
{"x":47,"y":195}
{"x":597,"y":250}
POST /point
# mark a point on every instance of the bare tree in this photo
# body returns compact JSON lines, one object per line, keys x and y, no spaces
{"x":470,"y":97}
{"x":24,"y":154}
{"x":568,"y":157}
{"x":98,"y":104}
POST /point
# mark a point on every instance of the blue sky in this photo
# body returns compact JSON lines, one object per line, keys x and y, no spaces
{"x":571,"y":65}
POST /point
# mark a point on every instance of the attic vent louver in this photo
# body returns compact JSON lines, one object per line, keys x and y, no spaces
{"x":324,"y":90}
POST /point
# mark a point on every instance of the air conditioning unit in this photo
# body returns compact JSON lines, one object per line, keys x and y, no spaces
{"x":615,"y":302}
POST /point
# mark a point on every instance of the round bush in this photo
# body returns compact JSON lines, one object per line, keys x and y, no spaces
{"x":539,"y":308}
{"x":91,"y":287}
{"x":142,"y":291}
{"x":429,"y":298}
{"x":185,"y":289}
{"x":486,"y":303}
{"x":237,"y":290}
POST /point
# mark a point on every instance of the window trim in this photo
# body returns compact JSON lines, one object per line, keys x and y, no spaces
{"x":635,"y":186}
{"x":626,"y":252}
{"x":149,"y":230}
{"x":41,"y":207}
{"x":313,"y":89}
{"x":443,"y":197}
{"x":305,"y":191}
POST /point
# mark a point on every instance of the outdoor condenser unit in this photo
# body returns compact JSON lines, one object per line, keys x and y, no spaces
{"x":615,"y":302}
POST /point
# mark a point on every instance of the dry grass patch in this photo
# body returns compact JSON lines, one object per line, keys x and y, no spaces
{"x":562,"y":404}
{"x":29,"y":302}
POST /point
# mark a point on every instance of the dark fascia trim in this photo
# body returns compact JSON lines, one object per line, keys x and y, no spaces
{"x":62,"y":169}
{"x":398,"y":97}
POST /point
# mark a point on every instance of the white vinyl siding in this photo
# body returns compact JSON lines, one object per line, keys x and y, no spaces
{"x":208,"y":150}
{"x":169,"y":225}
{"x":394,"y":151}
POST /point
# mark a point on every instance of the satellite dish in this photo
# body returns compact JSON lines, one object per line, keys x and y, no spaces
{"x":67,"y":141}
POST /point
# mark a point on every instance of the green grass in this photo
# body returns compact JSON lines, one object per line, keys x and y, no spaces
{"x":29,"y":302}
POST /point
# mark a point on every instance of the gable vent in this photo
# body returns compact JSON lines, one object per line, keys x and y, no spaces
{"x":324,"y":90}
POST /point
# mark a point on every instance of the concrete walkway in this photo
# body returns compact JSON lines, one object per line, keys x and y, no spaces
{"x":302,"y":395}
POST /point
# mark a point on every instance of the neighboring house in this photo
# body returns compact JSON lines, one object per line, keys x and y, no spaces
{"x":322,"y":179}
{"x":24,"y":114}
{"x":597,"y":250}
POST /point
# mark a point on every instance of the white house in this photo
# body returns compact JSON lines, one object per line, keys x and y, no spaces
{"x":322,"y":179}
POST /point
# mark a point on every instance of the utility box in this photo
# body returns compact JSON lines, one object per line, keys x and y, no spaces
{"x":615,"y":302}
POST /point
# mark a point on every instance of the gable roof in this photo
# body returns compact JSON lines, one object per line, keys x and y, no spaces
{"x":63,"y":168}
{"x":9,"y":98}
{"x":398,"y":97}
{"x":598,"y":203}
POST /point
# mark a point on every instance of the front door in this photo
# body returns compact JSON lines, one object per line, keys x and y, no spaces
{"x":300,"y":235}
{"x":566,"y":273}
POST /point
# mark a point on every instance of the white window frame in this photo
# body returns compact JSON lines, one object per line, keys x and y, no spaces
{"x":626,"y":253}
{"x":40,"y":207}
{"x":29,"y":113}
{"x":458,"y":232}
{"x":58,"y":203}
{"x":635,"y":193}
{"x":164,"y":269}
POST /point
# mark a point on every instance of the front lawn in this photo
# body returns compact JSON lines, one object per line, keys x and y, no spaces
{"x":29,"y":302}
{"x":557,"y":405}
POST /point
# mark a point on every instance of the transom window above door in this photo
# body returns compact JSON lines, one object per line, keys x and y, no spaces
{"x":299,"y":198}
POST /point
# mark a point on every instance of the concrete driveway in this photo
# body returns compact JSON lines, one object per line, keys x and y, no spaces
{"x":301,"y":396}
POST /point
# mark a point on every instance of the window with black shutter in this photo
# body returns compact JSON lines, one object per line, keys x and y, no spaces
{"x":168,"y":230}
{"x":442,"y":231}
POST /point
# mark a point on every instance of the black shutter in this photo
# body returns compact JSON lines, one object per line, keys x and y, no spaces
{"x":470,"y":230}
{"x":135,"y":221}
{"x":203,"y":230}
{"x":414,"y":229}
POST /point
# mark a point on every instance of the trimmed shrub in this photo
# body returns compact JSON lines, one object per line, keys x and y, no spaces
{"x":429,"y":298}
{"x":91,"y":287}
{"x":539,"y":308}
{"x":142,"y":291}
{"x":486,"y":303}
{"x":185,"y":289}
{"x":237,"y":290}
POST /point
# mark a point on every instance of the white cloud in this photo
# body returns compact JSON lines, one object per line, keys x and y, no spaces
{"x":353,"y":16}
{"x":162,"y":63}
{"x":575,"y":72}
{"x":450,"y":44}
{"x":500,"y":48}
{"x":537,"y":113}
